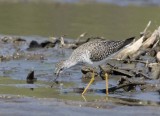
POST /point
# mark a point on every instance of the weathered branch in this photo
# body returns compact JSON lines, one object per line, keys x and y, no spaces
{"x":158,"y":56}
{"x":81,"y":36}
{"x":145,"y":30}
{"x":151,"y":40}
{"x":66,"y":45}
{"x":129,"y":50}
{"x":112,"y":89}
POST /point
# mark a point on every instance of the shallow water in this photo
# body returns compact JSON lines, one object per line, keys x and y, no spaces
{"x":72,"y":19}
{"x":15,"y":90}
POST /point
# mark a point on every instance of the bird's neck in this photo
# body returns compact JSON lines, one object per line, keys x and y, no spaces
{"x":69,"y":63}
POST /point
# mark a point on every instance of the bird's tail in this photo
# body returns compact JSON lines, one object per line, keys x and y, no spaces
{"x":128,"y":41}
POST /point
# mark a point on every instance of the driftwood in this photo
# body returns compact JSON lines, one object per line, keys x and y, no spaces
{"x":81,"y":36}
{"x":129,"y":50}
{"x":114,"y":71}
{"x":66,"y":45}
{"x":137,"y":48}
{"x":145,"y":30}
{"x":128,"y":85}
{"x":151,"y":40}
{"x":155,"y":70}
{"x":158,"y":56}
{"x":134,"y":47}
{"x":73,"y":45}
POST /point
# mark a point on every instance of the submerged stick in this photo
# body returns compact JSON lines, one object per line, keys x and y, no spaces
{"x":112,"y":89}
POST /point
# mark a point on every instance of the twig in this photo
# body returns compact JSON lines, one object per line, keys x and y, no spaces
{"x":112,"y":89}
{"x":139,"y":61}
{"x":81,"y":36}
{"x":159,"y":31}
{"x":145,"y":30}
{"x":155,"y":44}
{"x":62,"y":41}
{"x":67,"y":45}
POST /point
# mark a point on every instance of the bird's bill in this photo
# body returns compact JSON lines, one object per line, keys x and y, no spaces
{"x":57,"y":75}
{"x":55,"y":80}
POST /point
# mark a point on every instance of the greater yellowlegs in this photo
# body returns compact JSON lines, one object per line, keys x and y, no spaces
{"x":94,"y":53}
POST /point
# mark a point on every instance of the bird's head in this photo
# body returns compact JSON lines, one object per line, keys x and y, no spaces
{"x":63,"y":65}
{"x":60,"y":66}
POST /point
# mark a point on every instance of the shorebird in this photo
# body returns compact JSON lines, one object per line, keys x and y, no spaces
{"x":94,"y":53}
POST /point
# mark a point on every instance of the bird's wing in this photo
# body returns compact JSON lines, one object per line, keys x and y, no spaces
{"x":103,"y":49}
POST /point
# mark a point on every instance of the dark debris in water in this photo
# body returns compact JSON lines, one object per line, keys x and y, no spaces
{"x":30,"y":78}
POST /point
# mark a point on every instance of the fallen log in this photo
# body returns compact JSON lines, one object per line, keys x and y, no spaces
{"x":129,"y":50}
{"x":150,"y":41}
{"x":158,"y":56}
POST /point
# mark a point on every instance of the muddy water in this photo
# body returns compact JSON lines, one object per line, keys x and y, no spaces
{"x":45,"y":20}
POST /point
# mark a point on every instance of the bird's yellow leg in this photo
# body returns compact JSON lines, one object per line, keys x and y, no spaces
{"x":106,"y":77}
{"x":91,"y":81}
{"x":84,"y":98}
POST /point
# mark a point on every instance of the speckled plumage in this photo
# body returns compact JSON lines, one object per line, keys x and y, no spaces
{"x":92,"y":52}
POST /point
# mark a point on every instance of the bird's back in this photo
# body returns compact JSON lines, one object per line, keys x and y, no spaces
{"x":98,"y":50}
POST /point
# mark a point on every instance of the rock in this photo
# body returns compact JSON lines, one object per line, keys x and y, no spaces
{"x":47,"y":44}
{"x":34,"y":44}
{"x":30,"y":78}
